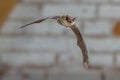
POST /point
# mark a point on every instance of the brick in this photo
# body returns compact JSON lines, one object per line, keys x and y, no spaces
{"x":105,"y":44}
{"x":40,"y":28}
{"x":82,"y":11}
{"x":94,"y":1}
{"x":47,"y":27}
{"x":11,"y":27}
{"x":66,"y":69}
{"x":73,"y":55}
{"x":112,"y":75}
{"x":109,"y":11}
{"x":74,"y":49}
{"x":34,"y":74}
{"x":56,"y":28}
{"x":70,"y":59}
{"x":52,"y":1}
{"x":72,"y":45}
{"x":72,"y":73}
{"x":23,"y":11}
{"x":21,"y":59}
{"x":13,"y":74}
{"x":101,"y":59}
{"x":33,"y":1}
{"x":116,"y":1}
{"x":118,"y":60}
{"x":98,"y":28}
{"x":39,"y":44}
{"x":64,"y":1}
{"x":5,"y":43}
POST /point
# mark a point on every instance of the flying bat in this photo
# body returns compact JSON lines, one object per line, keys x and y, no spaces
{"x":68,"y":21}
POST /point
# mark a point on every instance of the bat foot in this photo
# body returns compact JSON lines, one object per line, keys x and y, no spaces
{"x":86,"y":65}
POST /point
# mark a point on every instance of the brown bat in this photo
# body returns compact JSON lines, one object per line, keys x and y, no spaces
{"x":69,"y":21}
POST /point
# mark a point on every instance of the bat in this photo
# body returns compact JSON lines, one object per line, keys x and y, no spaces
{"x":69,"y":21}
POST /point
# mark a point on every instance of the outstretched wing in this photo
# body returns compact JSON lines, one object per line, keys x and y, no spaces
{"x":40,"y":20}
{"x":81,"y":44}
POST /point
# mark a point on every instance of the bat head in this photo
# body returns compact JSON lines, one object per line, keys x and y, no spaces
{"x":70,"y":19}
{"x":67,"y":20}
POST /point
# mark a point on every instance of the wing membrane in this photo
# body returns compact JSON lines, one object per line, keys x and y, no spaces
{"x":81,"y":44}
{"x":40,"y":20}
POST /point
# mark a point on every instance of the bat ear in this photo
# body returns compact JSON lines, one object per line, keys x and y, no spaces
{"x":74,"y":19}
{"x":67,"y":16}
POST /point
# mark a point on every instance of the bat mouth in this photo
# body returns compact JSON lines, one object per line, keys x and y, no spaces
{"x":71,"y":22}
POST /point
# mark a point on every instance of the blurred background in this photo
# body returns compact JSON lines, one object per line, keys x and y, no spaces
{"x":49,"y":51}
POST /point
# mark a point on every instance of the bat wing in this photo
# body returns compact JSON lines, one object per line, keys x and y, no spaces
{"x":81,"y":44}
{"x":40,"y":20}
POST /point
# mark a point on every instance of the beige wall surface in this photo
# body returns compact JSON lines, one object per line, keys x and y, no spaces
{"x":5,"y":8}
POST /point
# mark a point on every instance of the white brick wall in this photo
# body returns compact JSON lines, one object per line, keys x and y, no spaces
{"x":6,"y":43}
{"x":98,"y":28}
{"x":33,"y":1}
{"x":109,"y":11}
{"x":64,"y":1}
{"x":72,"y":45}
{"x":71,"y":73}
{"x":40,"y":28}
{"x":56,"y":28}
{"x":11,"y":27}
{"x":24,"y":11}
{"x":102,"y":59}
{"x":21,"y":59}
{"x":116,"y":1}
{"x":34,"y":74}
{"x":49,"y":26}
{"x":94,"y":1}
{"x":39,"y":44}
{"x":118,"y":60}
{"x":106,"y":44}
{"x":82,"y":11}
{"x":112,"y":76}
{"x":50,"y":44}
{"x":12,"y":75}
{"x":70,"y":59}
